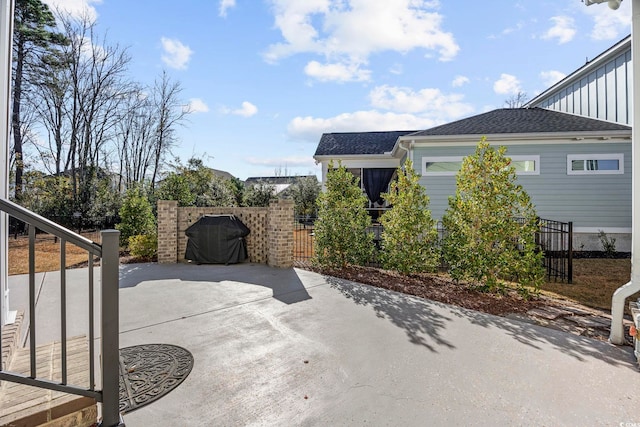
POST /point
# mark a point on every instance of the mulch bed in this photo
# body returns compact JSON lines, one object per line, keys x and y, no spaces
{"x":437,"y":287}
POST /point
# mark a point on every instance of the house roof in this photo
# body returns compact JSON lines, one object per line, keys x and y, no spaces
{"x":222,"y":174}
{"x":346,"y":143}
{"x":522,"y":120}
{"x":276,"y":180}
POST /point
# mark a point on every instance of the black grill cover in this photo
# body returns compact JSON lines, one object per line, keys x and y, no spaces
{"x":217,"y":239}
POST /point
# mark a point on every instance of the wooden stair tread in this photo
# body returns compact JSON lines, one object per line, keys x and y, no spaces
{"x":27,"y":405}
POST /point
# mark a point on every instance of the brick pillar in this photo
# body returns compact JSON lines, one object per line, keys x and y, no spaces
{"x":280,"y":234}
{"x":167,"y":231}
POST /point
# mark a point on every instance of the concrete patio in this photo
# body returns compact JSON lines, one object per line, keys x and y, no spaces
{"x":291,"y":347}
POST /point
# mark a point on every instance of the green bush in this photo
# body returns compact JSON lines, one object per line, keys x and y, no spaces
{"x":409,"y":238}
{"x":144,"y":245}
{"x":340,"y":231}
{"x":491,"y":224}
{"x":136,"y":216}
{"x":260,"y":194}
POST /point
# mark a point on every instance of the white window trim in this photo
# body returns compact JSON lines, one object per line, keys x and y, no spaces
{"x":436,"y":159}
{"x":536,"y":162}
{"x":535,"y":158}
{"x":614,"y":156}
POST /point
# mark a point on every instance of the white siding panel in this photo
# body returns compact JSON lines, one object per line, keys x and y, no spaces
{"x":605,"y":93}
{"x":610,"y":76}
{"x":593,"y":97}
{"x":621,"y":90}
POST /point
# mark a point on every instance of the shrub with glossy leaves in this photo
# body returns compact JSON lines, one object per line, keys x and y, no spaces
{"x":409,"y":240}
{"x":144,"y":246}
{"x":136,"y":216}
{"x":491,"y":224}
{"x":341,"y":236}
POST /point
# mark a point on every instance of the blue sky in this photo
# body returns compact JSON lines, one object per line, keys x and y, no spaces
{"x":265,"y":78}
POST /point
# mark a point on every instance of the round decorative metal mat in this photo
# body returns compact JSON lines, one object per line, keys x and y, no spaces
{"x":149,"y":371}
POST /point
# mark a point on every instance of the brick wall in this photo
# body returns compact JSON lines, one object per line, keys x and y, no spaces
{"x":269,"y":242}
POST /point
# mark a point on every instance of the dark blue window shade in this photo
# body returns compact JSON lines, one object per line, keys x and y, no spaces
{"x":376,"y":181}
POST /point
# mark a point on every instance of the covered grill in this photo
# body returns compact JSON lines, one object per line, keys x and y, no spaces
{"x":217,"y":239}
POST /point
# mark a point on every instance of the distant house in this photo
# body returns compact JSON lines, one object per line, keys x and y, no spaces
{"x":574,"y":168}
{"x":280,"y":183}
{"x":571,"y":146}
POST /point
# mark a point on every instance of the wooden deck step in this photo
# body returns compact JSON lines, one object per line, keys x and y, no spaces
{"x":24,"y":405}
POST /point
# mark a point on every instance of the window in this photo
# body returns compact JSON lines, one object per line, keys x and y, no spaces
{"x":526,"y":165}
{"x":595,"y":164}
{"x":443,"y":166}
{"x":449,"y":166}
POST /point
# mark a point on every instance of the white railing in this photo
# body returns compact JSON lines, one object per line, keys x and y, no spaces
{"x":107,"y":395}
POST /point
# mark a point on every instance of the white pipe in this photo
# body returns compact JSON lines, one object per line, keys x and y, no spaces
{"x":622,"y":293}
{"x":6,"y":30}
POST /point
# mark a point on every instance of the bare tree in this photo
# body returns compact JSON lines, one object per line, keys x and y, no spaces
{"x":135,"y":138}
{"x":171,"y":112}
{"x":517,"y":100}
{"x":83,"y":86}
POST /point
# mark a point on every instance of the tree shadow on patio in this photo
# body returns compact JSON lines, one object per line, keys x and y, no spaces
{"x":526,"y":332}
{"x":422,"y":324}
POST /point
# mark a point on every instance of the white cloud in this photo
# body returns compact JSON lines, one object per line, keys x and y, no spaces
{"x":609,"y":24}
{"x":225,"y":5}
{"x":428,"y":101}
{"x":176,"y":55}
{"x":289,"y":161}
{"x":459,"y":81}
{"x":507,"y":85}
{"x":337,"y":72}
{"x":246,"y":110}
{"x":310,"y":128}
{"x":349,"y":31}
{"x":406,"y":110}
{"x":197,"y":105}
{"x":551,"y":77}
{"x":396,"y":69}
{"x":564,"y":29}
{"x":76,"y":8}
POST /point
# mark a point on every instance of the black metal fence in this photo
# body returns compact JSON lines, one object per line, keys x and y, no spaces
{"x":553,"y":237}
{"x":87,"y":227}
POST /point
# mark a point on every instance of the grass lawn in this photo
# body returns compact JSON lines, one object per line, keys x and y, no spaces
{"x":594,"y":281}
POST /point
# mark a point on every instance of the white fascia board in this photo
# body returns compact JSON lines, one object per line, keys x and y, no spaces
{"x":612,"y":52}
{"x":524,"y":139}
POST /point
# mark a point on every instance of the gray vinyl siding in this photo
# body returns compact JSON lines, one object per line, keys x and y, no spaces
{"x":599,"y":201}
{"x":604,"y":93}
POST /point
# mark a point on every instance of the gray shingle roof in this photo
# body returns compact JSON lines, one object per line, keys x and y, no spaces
{"x":345,"y":143}
{"x":521,"y":120}
{"x":277,"y":179}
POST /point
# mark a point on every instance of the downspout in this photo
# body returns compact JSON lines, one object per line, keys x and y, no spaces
{"x":622,"y":293}
{"x":6,"y":31}
{"x":408,"y":150}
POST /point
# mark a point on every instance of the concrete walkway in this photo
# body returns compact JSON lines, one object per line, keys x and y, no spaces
{"x":290,"y":347}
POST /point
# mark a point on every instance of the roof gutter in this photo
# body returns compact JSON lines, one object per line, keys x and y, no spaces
{"x":552,"y":137}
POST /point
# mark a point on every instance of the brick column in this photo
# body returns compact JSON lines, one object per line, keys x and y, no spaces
{"x":280,"y":234}
{"x":167,"y":231}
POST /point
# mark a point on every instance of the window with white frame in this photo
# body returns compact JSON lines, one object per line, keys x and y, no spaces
{"x":450,"y":165}
{"x":526,"y":165}
{"x":595,"y":164}
{"x":442,"y":166}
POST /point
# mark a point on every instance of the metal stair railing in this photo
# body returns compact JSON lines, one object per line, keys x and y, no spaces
{"x":108,"y":251}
